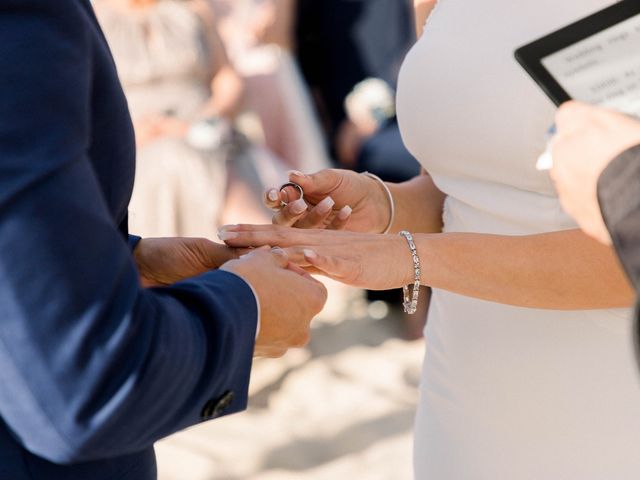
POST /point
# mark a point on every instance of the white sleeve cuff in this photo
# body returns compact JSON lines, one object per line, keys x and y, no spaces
{"x":255,"y":296}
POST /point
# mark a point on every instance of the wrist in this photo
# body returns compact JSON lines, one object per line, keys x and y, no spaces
{"x":405,"y":261}
{"x":384,"y":202}
{"x":411,"y":291}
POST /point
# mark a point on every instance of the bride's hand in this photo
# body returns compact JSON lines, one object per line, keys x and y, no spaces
{"x":333,"y":199}
{"x":371,"y":261}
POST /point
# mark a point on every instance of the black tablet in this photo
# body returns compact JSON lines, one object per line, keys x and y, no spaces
{"x":595,"y":60}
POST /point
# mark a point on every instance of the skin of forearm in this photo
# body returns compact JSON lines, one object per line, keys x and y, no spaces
{"x":563,"y":270}
{"x":418,"y":205}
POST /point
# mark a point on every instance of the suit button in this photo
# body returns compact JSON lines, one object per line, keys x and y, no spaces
{"x":215,"y":408}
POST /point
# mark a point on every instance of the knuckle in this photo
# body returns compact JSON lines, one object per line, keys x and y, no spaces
{"x":320,"y":299}
{"x":280,"y":236}
{"x":289,"y":218}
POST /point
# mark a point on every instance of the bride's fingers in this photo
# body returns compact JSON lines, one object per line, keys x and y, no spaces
{"x":297,"y":258}
{"x":319,"y":216}
{"x":242,"y":236}
{"x":334,"y":267}
{"x":287,"y":216}
{"x":341,"y":219}
{"x":300,"y":271}
{"x":273,"y":199}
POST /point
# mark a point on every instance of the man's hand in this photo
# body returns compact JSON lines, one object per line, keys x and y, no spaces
{"x":289,"y":299}
{"x":588,"y":139}
{"x":164,"y":261}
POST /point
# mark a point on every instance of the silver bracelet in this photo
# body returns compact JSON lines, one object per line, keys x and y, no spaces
{"x":392,"y":203}
{"x":410,"y":302}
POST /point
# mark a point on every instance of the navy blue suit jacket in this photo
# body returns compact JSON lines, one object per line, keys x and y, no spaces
{"x":93,"y":368}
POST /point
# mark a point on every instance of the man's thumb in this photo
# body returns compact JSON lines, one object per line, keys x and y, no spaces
{"x":279,"y":257}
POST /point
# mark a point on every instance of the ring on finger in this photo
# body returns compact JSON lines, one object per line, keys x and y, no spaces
{"x":294,"y":185}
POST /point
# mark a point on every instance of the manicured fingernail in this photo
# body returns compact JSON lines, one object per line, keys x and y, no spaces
{"x":295,"y":173}
{"x":326,"y":205}
{"x":345,"y":212}
{"x":278,"y":251}
{"x":310,"y":254}
{"x":298,"y":207}
{"x":229,"y":228}
{"x":224,"y":235}
{"x":273,"y":195}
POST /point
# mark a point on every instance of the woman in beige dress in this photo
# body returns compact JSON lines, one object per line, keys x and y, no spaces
{"x":183,"y":94}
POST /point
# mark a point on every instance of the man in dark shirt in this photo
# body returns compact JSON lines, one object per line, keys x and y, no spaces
{"x":339,"y":44}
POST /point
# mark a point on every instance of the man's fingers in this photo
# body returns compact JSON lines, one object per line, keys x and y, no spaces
{"x":300,"y":271}
{"x":277,"y":256}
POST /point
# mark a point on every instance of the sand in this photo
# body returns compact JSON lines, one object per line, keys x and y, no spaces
{"x":342,"y":408}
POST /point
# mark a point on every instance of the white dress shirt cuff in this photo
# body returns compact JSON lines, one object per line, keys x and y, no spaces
{"x":255,"y":296}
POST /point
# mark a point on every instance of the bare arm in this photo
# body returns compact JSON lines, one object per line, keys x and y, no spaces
{"x":418,"y":205}
{"x":559,"y":270}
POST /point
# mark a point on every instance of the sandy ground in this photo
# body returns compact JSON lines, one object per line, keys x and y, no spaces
{"x":342,"y":408}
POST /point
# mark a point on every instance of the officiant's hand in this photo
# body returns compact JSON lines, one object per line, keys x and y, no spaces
{"x":289,"y":299}
{"x":164,"y":261}
{"x":588,"y":139}
{"x":371,"y":261}
{"x":333,"y":199}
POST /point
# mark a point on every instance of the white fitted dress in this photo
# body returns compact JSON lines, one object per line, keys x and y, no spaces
{"x":508,"y":393}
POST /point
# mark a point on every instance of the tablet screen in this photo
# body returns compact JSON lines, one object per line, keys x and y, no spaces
{"x":603,"y":69}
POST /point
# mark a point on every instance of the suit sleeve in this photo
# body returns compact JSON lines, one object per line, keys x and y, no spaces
{"x":91,"y":365}
{"x":619,"y":198}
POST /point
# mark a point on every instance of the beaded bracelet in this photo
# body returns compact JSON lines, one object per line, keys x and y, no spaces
{"x":410,"y":302}
{"x":392,"y":203}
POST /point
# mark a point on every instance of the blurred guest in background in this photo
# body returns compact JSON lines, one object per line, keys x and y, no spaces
{"x":258,"y":35}
{"x":183,"y":95}
{"x":340,"y":44}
